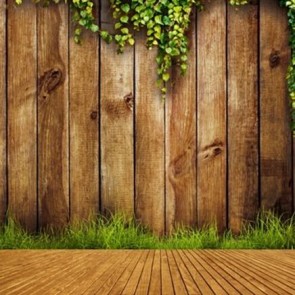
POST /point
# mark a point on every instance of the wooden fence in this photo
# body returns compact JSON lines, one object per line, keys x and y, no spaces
{"x":84,"y":130}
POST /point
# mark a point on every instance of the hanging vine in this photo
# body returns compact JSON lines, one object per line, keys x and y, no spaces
{"x":166,"y":23}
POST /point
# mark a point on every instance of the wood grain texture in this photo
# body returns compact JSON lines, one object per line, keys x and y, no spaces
{"x":3,"y":114}
{"x":150,"y":141}
{"x":114,"y":272}
{"x":211,"y":114}
{"x":181,"y":189}
{"x":242,"y":114}
{"x":22,"y":92}
{"x":117,"y":106}
{"x":275,"y":132}
{"x":84,"y":128}
{"x":53,"y":143}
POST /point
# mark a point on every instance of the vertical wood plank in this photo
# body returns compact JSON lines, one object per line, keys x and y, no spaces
{"x":211,"y":114}
{"x":181,"y":144}
{"x":84,"y":81}
{"x":3,"y":177}
{"x":242,"y":114}
{"x":53,"y":147}
{"x":150,"y":140}
{"x":276,"y":140}
{"x":22,"y":90}
{"x":117,"y":102}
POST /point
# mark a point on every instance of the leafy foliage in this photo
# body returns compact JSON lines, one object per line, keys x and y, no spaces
{"x":166,"y":23}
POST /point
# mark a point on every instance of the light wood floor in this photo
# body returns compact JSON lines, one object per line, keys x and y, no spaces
{"x":147,"y":272}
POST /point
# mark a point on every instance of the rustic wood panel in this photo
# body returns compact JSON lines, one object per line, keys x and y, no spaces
{"x":84,"y":118}
{"x":181,"y":188}
{"x":242,"y":114}
{"x":84,"y":130}
{"x":53,"y":142}
{"x":3,"y":88}
{"x":150,"y":141}
{"x":276,"y":149}
{"x":211,"y":114}
{"x":22,"y":155}
{"x":117,"y":104}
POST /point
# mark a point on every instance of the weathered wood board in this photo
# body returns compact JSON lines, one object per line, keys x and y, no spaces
{"x":53,"y":113}
{"x":150,"y":141}
{"x":243,"y":136}
{"x":84,"y":129}
{"x":116,"y":123}
{"x":181,"y":178}
{"x":3,"y":114}
{"x":22,"y":113}
{"x":211,"y":114}
{"x":275,"y":133}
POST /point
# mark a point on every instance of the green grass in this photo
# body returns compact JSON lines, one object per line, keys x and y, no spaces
{"x":118,"y":232}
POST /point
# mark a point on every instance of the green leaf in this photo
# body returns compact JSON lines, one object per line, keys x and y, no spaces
{"x":124,"y":19}
{"x":125,"y":7}
{"x":118,"y":26}
{"x":125,"y":31}
{"x":165,"y":77}
{"x":168,"y":50}
{"x":131,"y":41}
{"x":158,"y":19}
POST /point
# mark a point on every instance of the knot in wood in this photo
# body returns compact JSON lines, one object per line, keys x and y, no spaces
{"x":128,"y":98}
{"x":93,"y":115}
{"x":212,"y":150}
{"x":51,"y":80}
{"x":274,"y":59}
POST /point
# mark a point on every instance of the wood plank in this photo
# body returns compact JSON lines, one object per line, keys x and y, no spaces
{"x":276,"y":155}
{"x":155,"y":284}
{"x":181,"y":190}
{"x":211,"y":115}
{"x":177,"y":280}
{"x":53,"y":142}
{"x":166,"y":278}
{"x":84,"y":128}
{"x":150,"y":140}
{"x":3,"y":105}
{"x":145,"y":279}
{"x":22,"y":100}
{"x":117,"y":142}
{"x":242,"y":114}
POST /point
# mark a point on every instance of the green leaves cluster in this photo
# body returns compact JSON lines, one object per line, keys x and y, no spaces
{"x":166,"y":23}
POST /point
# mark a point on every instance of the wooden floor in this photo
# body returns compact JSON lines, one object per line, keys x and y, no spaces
{"x":147,"y":272}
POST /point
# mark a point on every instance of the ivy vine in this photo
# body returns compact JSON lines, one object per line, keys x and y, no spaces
{"x":166,"y":23}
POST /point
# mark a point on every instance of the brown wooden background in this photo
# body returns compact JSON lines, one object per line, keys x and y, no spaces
{"x":84,"y":130}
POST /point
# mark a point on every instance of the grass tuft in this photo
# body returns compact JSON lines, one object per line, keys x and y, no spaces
{"x":118,"y":232}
